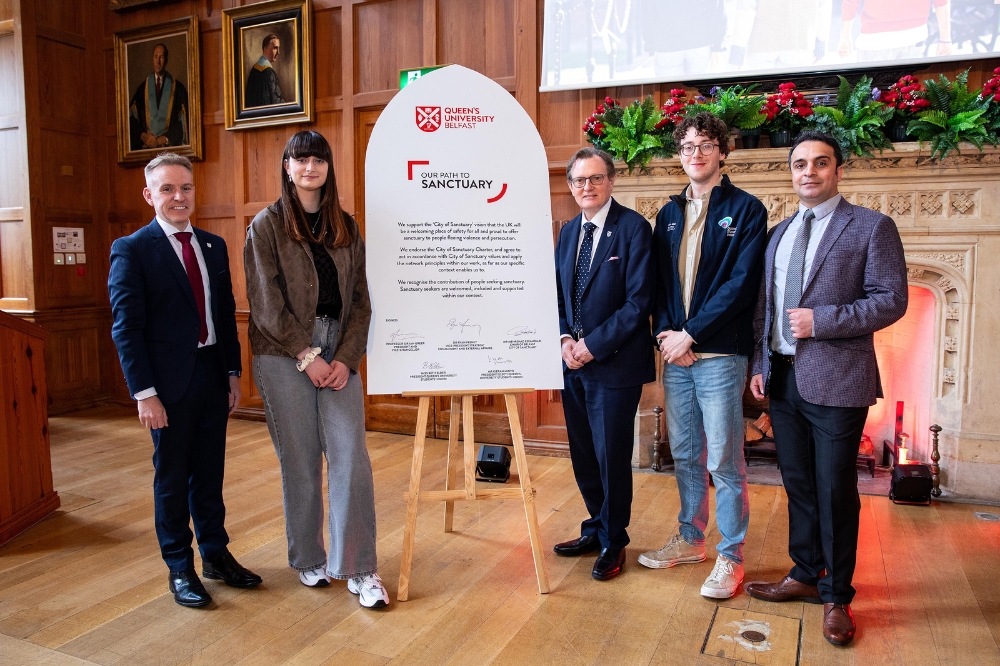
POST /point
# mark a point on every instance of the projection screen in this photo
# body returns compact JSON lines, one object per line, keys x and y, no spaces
{"x":599,"y":43}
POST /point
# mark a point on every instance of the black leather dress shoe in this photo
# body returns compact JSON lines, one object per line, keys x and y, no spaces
{"x":188,"y":590}
{"x":225,"y":567}
{"x":609,"y":564}
{"x":581,"y":546}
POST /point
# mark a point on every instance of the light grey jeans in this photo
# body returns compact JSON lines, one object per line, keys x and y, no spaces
{"x":307,"y":423}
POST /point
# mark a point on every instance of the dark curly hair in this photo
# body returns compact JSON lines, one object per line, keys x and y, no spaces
{"x":706,"y":125}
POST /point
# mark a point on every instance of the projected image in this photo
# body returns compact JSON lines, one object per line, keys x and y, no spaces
{"x":594,"y":43}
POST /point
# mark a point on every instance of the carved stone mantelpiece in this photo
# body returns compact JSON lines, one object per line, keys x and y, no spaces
{"x":948,"y":215}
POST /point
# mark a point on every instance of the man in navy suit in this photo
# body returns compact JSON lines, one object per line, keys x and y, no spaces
{"x":834,"y":273}
{"x":604,"y":282}
{"x":175,"y":330}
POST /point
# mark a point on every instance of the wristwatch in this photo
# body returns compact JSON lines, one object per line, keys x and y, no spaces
{"x":235,"y":373}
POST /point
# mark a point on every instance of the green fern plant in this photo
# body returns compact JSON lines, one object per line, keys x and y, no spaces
{"x":857,"y":120}
{"x":956,"y":114}
{"x":736,"y":106}
{"x":633,"y":136}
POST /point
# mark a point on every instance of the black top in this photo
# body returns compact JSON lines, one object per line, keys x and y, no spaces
{"x":329,"y":303}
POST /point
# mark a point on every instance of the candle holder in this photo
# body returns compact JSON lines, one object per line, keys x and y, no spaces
{"x":656,"y":438}
{"x":935,"y":457}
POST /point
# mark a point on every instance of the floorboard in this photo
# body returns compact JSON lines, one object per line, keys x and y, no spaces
{"x":87,"y":586}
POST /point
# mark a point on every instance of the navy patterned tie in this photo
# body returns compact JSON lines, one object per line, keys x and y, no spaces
{"x":796,"y":275}
{"x":582,"y":271}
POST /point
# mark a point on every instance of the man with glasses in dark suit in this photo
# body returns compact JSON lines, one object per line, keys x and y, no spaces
{"x":604,"y":282}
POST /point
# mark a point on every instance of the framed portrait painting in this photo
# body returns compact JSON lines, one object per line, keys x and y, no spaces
{"x":266,"y":70}
{"x":158,"y":91}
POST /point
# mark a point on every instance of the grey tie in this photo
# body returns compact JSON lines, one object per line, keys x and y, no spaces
{"x":795,"y":275}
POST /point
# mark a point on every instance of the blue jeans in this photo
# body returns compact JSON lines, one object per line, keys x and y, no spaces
{"x":705,"y":425}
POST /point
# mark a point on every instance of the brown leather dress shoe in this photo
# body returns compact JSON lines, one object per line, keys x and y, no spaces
{"x":787,"y":589}
{"x":838,"y":623}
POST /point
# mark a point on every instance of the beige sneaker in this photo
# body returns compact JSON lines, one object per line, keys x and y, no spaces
{"x":725,"y":579}
{"x":676,"y":551}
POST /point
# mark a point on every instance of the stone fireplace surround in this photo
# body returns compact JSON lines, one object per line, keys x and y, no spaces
{"x":948,"y":214}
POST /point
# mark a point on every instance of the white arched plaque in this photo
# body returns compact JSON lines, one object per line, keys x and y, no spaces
{"x":459,"y":242}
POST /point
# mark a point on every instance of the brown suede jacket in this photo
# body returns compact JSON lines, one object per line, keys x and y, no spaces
{"x":283,"y":290}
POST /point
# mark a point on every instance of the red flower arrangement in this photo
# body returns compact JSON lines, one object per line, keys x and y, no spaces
{"x":786,"y":109}
{"x":991,"y":89}
{"x":907,"y":94}
{"x":594,"y":126}
{"x":675,"y":108}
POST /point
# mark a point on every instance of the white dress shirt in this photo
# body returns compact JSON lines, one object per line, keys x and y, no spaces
{"x":600,"y":217}
{"x":783,"y":254}
{"x":178,"y":247}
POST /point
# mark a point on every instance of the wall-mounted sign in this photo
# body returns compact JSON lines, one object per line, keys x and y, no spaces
{"x":67,"y":239}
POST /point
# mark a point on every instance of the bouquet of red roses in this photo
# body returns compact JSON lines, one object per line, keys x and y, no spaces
{"x":786,"y":109}
{"x":675,"y":108}
{"x":595,"y":127}
{"x":991,"y":89}
{"x":906,"y":95}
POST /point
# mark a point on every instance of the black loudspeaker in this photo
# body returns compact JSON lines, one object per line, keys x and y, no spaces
{"x":493,"y":464}
{"x":911,"y":484}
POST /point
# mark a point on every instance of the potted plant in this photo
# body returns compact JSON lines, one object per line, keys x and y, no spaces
{"x":857,"y":120}
{"x":906,"y":98}
{"x":785,"y":114}
{"x":633,"y":134}
{"x":738,"y":109}
{"x":955,"y":114}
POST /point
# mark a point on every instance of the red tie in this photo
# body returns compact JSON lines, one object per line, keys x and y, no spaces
{"x":194,"y":277}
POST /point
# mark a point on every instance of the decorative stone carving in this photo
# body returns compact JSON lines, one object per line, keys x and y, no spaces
{"x":951,"y":312}
{"x":963,"y":203}
{"x":914,"y":273}
{"x":648,"y":207}
{"x":945,"y":284}
{"x":949,"y":376}
{"x":901,"y":205}
{"x":950,"y":343}
{"x":930,"y":204}
{"x":871,"y":200}
{"x":954,"y":259}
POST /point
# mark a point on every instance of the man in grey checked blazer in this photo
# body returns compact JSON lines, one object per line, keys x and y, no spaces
{"x":834,"y":273}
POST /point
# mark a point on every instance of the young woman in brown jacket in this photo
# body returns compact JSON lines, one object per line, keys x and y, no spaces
{"x":309,"y":313}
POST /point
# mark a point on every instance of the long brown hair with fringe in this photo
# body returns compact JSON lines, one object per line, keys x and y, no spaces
{"x":333,"y":230}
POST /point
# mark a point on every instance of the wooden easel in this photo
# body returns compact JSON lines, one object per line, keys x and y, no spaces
{"x":449,"y":495}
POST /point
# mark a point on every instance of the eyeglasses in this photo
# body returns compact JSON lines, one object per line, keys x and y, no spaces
{"x":596,"y":180}
{"x":688,"y":149}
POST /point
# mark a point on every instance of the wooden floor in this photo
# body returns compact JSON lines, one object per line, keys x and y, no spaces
{"x":88,"y":586}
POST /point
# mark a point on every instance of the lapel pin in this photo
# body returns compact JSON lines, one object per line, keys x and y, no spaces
{"x":208,"y":244}
{"x":609,"y":234}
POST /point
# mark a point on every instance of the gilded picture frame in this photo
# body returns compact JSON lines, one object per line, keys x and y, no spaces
{"x":158,"y":91}
{"x":267,"y":64}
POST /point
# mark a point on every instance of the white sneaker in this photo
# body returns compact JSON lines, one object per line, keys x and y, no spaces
{"x":725,"y":579}
{"x":369,"y":589}
{"x":675,"y":551}
{"x":314,"y":578}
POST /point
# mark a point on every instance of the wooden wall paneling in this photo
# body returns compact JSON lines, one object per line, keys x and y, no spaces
{"x":388,"y":37}
{"x":7,"y":10}
{"x":430,"y":37}
{"x":17,"y":287}
{"x":79,"y":340}
{"x":345,"y":176}
{"x":329,"y":72}
{"x":527,"y":60}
